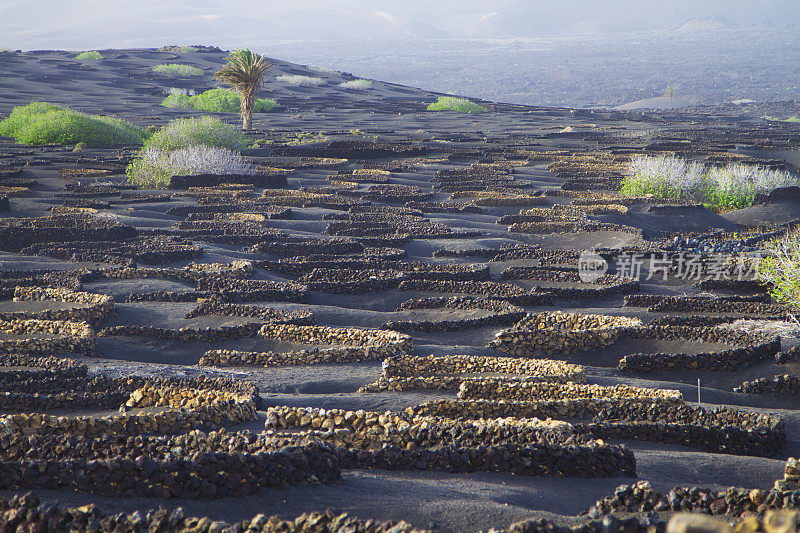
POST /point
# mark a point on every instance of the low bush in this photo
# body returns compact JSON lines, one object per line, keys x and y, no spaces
{"x":451,"y":103}
{"x":43,"y":123}
{"x":794,"y":118}
{"x":325,"y":70}
{"x":198,"y":145}
{"x":664,"y":177}
{"x":216,"y":101}
{"x":732,"y":186}
{"x":781,"y":269}
{"x":356,"y":84}
{"x":177,"y":69}
{"x":92,"y":55}
{"x":207,"y":131}
{"x":154,"y":168}
{"x":177,"y":101}
{"x":178,"y":49}
{"x":735,"y":186}
{"x":300,"y":81}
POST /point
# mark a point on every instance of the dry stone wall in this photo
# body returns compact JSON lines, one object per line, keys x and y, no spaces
{"x":340,"y":336}
{"x":737,"y":502}
{"x":387,"y":441}
{"x":552,"y":333}
{"x":91,"y":308}
{"x":501,"y":313}
{"x":407,"y":372}
{"x":748,"y":349}
{"x":493,"y":389}
{"x":351,"y":281}
{"x":203,"y":476}
{"x":46,"y":336}
{"x":25,"y":513}
{"x":780,"y":384}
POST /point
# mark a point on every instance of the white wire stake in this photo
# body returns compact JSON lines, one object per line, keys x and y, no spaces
{"x":698,"y":392}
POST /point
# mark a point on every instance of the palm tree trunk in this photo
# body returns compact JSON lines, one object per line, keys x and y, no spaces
{"x":248,"y":101}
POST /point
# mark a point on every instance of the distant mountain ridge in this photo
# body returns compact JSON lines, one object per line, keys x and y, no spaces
{"x":36,"y":24}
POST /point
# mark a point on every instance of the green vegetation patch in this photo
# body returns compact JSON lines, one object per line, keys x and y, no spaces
{"x":178,"y":69}
{"x":197,"y":145}
{"x":206,"y":131}
{"x":179,"y":49}
{"x":356,"y":84}
{"x":451,"y":103}
{"x":92,"y":55}
{"x":781,"y":269}
{"x":722,"y":188}
{"x":795,"y":118}
{"x":43,"y":123}
{"x":216,"y":101}
{"x":299,"y":80}
{"x":154,"y":168}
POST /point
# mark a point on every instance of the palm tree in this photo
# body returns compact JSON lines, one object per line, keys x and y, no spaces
{"x":244,"y":71}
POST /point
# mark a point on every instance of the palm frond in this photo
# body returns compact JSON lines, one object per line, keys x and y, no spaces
{"x":244,"y":70}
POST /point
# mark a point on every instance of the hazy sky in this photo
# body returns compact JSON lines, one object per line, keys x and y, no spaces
{"x":80,"y":24}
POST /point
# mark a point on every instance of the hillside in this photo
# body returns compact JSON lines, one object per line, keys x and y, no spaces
{"x":372,"y":256}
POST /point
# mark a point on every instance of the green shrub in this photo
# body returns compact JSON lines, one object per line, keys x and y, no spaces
{"x":356,"y":84}
{"x":781,"y":269}
{"x":795,"y":118}
{"x":216,"y":101}
{"x":86,"y":56}
{"x":723,"y":188}
{"x":451,"y":103}
{"x":43,"y":123}
{"x":178,"y":49}
{"x":21,"y":116}
{"x":264,"y":104}
{"x":177,"y":69}
{"x":298,"y":80}
{"x":177,"y":101}
{"x":154,"y":168}
{"x":324,"y":70}
{"x":207,"y":131}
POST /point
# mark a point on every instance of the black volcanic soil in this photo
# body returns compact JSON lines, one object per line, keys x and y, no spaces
{"x":122,"y":85}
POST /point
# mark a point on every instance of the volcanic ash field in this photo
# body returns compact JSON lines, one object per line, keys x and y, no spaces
{"x":387,"y":318}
